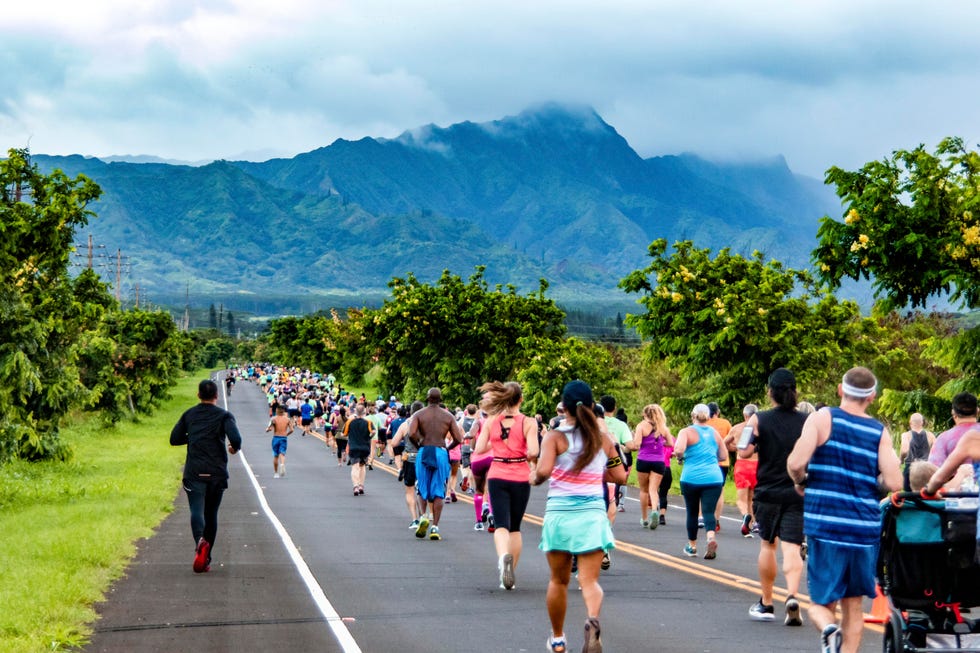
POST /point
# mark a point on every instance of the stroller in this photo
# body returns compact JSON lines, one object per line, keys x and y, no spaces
{"x":927,"y":567}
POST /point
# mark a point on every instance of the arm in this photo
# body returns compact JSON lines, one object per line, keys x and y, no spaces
{"x":617,"y":472}
{"x":456,"y":431}
{"x":967,"y":448}
{"x":483,"y":441}
{"x":680,"y":444}
{"x":891,"y":471}
{"x":668,"y":437}
{"x":816,"y":425}
{"x":231,"y":432}
{"x":531,"y":438}
{"x":638,"y":436}
{"x":546,"y":461}
{"x":749,"y":451}
{"x":722,"y":449}
{"x":178,"y":435}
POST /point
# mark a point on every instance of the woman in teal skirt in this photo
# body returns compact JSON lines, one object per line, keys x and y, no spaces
{"x":578,"y":458}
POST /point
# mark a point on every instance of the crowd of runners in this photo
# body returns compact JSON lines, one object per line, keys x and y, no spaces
{"x":495,"y":453}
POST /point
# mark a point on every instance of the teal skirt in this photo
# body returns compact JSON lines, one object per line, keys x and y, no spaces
{"x":576,"y":525}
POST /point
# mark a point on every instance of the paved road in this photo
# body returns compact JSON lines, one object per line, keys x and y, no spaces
{"x":301,"y":564}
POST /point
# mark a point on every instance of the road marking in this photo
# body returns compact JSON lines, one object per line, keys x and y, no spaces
{"x":334,"y":620}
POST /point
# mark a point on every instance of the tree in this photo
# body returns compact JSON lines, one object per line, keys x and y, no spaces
{"x":730,"y":321}
{"x":555,"y":362}
{"x":42,"y":319}
{"x":911,"y":224}
{"x":213,"y":318}
{"x":456,"y":334}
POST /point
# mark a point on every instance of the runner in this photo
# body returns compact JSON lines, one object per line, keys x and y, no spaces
{"x":358,"y":432}
{"x":744,"y":473}
{"x":649,"y":439}
{"x":281,"y":428}
{"x":429,"y":429}
{"x":203,"y":428}
{"x":512,"y":437}
{"x":406,"y":453}
{"x":578,"y":459}
{"x":701,"y":480}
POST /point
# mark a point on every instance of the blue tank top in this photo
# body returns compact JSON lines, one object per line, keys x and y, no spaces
{"x":701,"y":459}
{"x":841,"y":500}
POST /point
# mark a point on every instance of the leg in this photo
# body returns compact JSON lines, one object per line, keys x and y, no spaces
{"x":195,"y":501}
{"x":822,"y":616}
{"x":588,"y":577}
{"x":654,"y":492}
{"x":410,"y":502}
{"x":767,"y":570}
{"x":212,"y":501}
{"x":436,"y":510}
{"x":792,"y":566}
{"x":692,"y":500}
{"x":852,"y":623}
{"x":665,"y":483}
{"x":560,"y":563}
{"x":643,"y":479}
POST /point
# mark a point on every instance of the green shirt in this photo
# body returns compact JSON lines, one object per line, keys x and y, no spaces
{"x":619,"y":430}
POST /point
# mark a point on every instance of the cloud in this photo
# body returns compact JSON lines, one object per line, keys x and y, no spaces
{"x":837,"y":82}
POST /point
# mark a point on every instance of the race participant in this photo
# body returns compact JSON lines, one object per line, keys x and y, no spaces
{"x":701,"y":478}
{"x":579,"y":459}
{"x":512,"y":437}
{"x":306,"y":417}
{"x":429,"y":430}
{"x":358,"y":432}
{"x":281,"y":428}
{"x":406,"y":453}
{"x":649,"y":440}
{"x":744,"y":473}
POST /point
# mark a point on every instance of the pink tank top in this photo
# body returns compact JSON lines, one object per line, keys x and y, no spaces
{"x":510,"y":453}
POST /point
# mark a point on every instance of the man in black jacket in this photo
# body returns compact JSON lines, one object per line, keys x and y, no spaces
{"x":203,"y":429}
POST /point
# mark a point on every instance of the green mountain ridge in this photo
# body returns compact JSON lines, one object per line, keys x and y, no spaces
{"x":554,"y":192}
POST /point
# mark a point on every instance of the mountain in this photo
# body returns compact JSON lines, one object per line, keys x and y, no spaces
{"x":554,"y":192}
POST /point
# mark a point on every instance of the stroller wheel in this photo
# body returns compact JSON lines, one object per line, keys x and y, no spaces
{"x":894,"y":642}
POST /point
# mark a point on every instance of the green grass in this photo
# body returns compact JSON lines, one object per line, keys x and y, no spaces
{"x":67,"y":530}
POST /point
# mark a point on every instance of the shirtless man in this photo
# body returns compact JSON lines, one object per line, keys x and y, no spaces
{"x":281,"y":427}
{"x":428,"y":429}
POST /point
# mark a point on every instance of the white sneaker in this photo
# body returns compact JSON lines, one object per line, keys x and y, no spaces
{"x":276,"y":475}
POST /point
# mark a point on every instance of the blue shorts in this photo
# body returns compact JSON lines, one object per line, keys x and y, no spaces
{"x":279,"y":445}
{"x":839,"y":571}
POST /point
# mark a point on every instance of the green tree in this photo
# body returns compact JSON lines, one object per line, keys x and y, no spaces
{"x":456,"y":334}
{"x":911,"y":224}
{"x":729,"y":321}
{"x":41,"y":318}
{"x":555,"y":362}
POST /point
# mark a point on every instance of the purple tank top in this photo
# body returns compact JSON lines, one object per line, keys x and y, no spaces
{"x":651,"y":448}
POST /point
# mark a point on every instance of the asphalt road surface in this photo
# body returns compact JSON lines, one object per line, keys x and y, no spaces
{"x":301,"y":564}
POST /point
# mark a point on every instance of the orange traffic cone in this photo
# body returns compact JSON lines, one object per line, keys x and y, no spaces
{"x":879,"y":608}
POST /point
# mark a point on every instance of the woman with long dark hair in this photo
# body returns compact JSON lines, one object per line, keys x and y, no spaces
{"x":579,"y":458}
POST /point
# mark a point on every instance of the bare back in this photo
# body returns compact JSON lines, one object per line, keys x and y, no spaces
{"x":430,"y":426}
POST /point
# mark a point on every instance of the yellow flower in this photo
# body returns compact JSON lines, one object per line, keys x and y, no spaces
{"x":852,"y":217}
{"x":676,"y":297}
{"x":720,"y":311}
{"x":863,"y":238}
{"x":763,"y":311}
{"x":824,"y":267}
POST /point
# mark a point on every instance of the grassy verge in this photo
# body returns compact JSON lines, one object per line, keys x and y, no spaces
{"x":67,"y":530}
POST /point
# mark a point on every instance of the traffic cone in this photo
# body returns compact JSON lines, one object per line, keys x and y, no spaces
{"x":879,"y":608}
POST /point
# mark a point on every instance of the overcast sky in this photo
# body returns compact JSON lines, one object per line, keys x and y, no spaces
{"x":821,"y":82}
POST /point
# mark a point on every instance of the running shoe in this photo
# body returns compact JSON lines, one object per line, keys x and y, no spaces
{"x":755,"y":528}
{"x":663,"y":520}
{"x":201,"y":556}
{"x":557,"y":644}
{"x":700,"y":522}
{"x":653,"y":522}
{"x":282,"y":470}
{"x":803,"y":551}
{"x":747,"y":526}
{"x":413,"y":525}
{"x":690,"y":551}
{"x":759,"y":612}
{"x":793,"y":616}
{"x":478,"y":526}
{"x":490,"y":525}
{"x":464,"y":485}
{"x":507,"y":571}
{"x":830,"y":639}
{"x":621,"y":508}
{"x":574,"y":564}
{"x":593,"y":642}
{"x":355,"y":491}
{"x":276,"y":475}
{"x":485,"y":516}
{"x":606,"y":562}
{"x":434,"y":533}
{"x":422,"y":528}
{"x":712,"y":551}
{"x":452,"y":496}
{"x":645,"y":523}
{"x":370,"y":467}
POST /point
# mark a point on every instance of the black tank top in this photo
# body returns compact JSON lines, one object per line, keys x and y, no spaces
{"x":779,"y":429}
{"x":918,"y":447}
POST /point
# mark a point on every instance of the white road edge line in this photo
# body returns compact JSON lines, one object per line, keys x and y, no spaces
{"x":337,"y":626}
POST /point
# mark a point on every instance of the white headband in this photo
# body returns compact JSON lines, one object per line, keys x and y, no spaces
{"x":854,"y":391}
